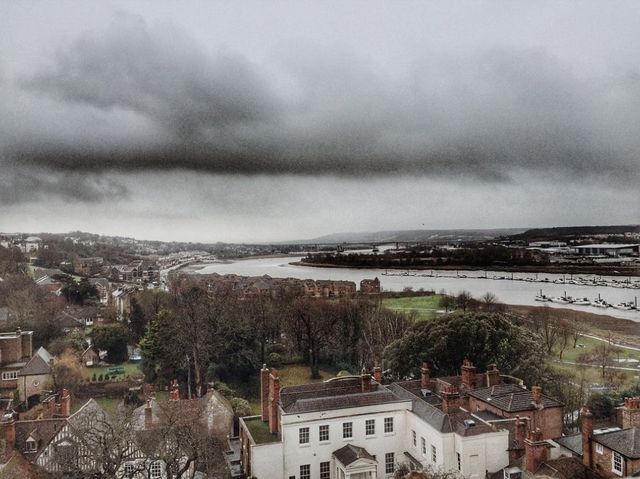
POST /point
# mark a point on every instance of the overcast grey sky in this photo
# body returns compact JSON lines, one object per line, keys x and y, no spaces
{"x":258,"y":121}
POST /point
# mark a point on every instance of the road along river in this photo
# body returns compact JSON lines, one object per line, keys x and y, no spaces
{"x":508,"y":291}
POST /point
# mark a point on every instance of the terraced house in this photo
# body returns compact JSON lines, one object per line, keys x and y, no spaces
{"x":356,"y":427}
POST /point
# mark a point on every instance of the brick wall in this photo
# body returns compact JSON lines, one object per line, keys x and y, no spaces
{"x":548,"y":420}
{"x":602,"y":463}
{"x":10,"y":350}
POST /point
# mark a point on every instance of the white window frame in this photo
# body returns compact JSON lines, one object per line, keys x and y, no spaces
{"x":614,"y":469}
{"x":303,"y":435}
{"x":9,"y":375}
{"x":155,"y":470}
{"x":599,"y":448}
{"x":129,"y":468}
{"x":347,"y":430}
{"x":423,"y":446}
{"x":31,"y":445}
{"x":459,"y":460}
{"x":370,"y":425}
{"x":305,"y":471}
{"x":434,"y":454}
{"x":388,"y":425}
{"x":389,"y":463}
{"x":414,"y":438}
{"x":323,"y":433}
{"x":325,"y":470}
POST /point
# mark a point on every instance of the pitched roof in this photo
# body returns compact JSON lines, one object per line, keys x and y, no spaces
{"x":511,"y":398}
{"x":461,"y":422}
{"x":625,"y":441}
{"x":35,"y":366}
{"x":565,"y":468}
{"x":43,"y":430}
{"x":573,"y":443}
{"x":335,"y":393}
{"x":338,"y":402}
{"x":350,"y":454}
{"x":44,"y":354}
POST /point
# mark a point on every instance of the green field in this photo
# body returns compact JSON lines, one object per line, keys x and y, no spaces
{"x":129,"y":369}
{"x":571,"y":353}
{"x":425,"y":307}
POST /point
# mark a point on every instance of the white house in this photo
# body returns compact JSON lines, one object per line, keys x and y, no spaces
{"x":354,"y":427}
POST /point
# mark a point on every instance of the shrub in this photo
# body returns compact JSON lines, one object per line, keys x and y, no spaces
{"x":116,"y":389}
{"x":225,"y":390}
{"x":240,"y":407}
{"x":100,"y":377}
{"x":94,"y":377}
{"x":276,"y":348}
{"x":274,"y":360}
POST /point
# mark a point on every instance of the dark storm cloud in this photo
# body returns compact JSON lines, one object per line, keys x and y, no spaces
{"x":160,"y":73}
{"x":485,"y":114}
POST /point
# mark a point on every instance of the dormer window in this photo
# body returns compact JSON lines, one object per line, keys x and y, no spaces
{"x":31,"y":445}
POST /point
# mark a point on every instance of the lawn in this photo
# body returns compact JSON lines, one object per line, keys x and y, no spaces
{"x":290,"y":375}
{"x":571,"y":353}
{"x":129,"y":369}
{"x":260,"y":431}
{"x":425,"y":307}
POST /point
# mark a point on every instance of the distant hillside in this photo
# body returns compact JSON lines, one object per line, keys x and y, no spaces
{"x":574,"y":231}
{"x":415,"y":236}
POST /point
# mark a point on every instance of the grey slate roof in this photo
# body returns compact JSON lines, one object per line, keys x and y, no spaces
{"x":35,"y":366}
{"x":350,"y":454}
{"x":337,"y":402}
{"x":425,"y":411}
{"x":573,"y":443}
{"x":510,"y":398}
{"x":441,"y":421}
{"x":625,"y":442}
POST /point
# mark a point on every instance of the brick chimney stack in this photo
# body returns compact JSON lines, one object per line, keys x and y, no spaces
{"x":65,"y":403}
{"x":377,"y":373}
{"x":586,"y":419}
{"x":148,"y":415}
{"x":536,"y":394}
{"x":631,"y":413}
{"x":274,"y":400}
{"x":365,"y":381}
{"x":468,"y":374}
{"x":493,"y":375}
{"x":450,"y":399}
{"x":424,"y":376}
{"x":536,"y":450}
{"x":174,"y":394}
{"x":10,"y":432}
{"x":264,"y":392}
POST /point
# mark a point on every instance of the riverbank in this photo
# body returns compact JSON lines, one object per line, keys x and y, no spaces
{"x":593,"y":270}
{"x":625,"y":331}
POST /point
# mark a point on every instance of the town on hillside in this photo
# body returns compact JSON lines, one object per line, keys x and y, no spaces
{"x":121,"y":363}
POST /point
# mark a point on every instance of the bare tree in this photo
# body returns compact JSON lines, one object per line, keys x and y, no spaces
{"x":577,"y":330}
{"x":97,"y":445}
{"x":564,"y":332}
{"x":178,"y":440}
{"x":316,"y":321}
{"x":464,"y":300}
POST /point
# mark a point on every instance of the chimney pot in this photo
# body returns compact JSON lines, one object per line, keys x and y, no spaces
{"x":365,"y":381}
{"x":377,"y":373}
{"x":424,"y":376}
{"x":468,"y":373}
{"x":536,"y":394}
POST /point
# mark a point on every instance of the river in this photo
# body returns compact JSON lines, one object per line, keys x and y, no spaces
{"x":507,"y":291}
